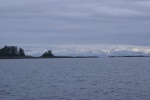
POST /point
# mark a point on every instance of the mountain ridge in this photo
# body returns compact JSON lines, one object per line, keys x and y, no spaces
{"x":91,"y":52}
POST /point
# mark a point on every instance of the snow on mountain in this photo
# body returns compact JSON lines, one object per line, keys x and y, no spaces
{"x":91,"y":52}
{"x":34,"y":53}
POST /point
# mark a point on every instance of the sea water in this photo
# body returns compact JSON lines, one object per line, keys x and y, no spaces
{"x":75,"y":79}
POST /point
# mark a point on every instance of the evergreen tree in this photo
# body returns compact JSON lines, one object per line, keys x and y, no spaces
{"x":14,"y":51}
{"x":9,"y":51}
{"x":21,"y":52}
{"x":48,"y":54}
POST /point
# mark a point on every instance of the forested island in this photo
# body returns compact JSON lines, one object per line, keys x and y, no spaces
{"x":13,"y":52}
{"x":10,"y":52}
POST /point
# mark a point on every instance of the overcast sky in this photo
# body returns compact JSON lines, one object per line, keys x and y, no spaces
{"x":31,"y":23}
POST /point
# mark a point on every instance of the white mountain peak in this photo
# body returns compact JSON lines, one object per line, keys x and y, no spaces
{"x":91,"y":52}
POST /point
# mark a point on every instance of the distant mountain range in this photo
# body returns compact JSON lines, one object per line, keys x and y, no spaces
{"x":91,"y":52}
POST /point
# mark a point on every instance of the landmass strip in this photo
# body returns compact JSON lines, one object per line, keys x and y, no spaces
{"x":12,"y":52}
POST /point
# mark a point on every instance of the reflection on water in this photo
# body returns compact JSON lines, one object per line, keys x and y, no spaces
{"x":75,"y":79}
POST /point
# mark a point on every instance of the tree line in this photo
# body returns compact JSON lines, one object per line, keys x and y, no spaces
{"x":48,"y":54}
{"x":13,"y":51}
{"x":10,"y":51}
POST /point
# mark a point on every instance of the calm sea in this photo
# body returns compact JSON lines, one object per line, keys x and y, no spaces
{"x":75,"y":79}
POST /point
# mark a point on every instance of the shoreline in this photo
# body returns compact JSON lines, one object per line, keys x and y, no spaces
{"x":49,"y":57}
{"x":70,"y":57}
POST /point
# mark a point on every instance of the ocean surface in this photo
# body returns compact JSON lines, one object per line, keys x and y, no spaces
{"x":75,"y":79}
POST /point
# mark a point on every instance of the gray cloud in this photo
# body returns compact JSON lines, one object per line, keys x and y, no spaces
{"x":73,"y":22}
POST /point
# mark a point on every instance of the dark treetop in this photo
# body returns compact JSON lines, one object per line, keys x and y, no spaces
{"x":48,"y":54}
{"x":11,"y":51}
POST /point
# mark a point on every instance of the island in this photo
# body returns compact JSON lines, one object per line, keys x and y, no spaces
{"x":12,"y":52}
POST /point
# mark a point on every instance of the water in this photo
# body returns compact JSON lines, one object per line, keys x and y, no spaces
{"x":75,"y":79}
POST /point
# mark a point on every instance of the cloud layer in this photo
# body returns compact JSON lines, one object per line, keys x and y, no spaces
{"x":74,"y":22}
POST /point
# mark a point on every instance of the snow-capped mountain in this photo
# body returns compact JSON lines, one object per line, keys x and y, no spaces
{"x":91,"y":52}
{"x":34,"y":53}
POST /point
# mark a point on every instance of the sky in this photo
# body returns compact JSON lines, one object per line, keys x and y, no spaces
{"x":55,"y":24}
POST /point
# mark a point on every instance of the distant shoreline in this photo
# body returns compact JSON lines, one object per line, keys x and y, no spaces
{"x":49,"y":57}
{"x":127,"y":56}
{"x":26,"y":57}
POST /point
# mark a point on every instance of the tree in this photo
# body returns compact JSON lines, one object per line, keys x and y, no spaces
{"x":21,"y":52}
{"x":14,"y":50}
{"x":11,"y":51}
{"x":48,"y":54}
